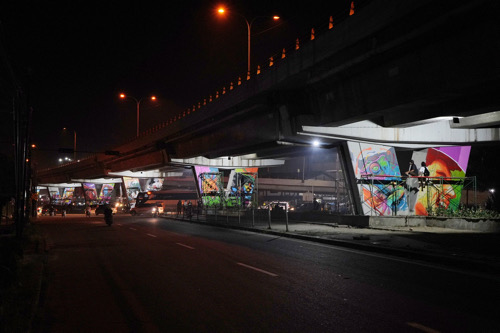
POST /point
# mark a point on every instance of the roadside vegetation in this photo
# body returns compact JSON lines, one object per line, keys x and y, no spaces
{"x":465,"y":212}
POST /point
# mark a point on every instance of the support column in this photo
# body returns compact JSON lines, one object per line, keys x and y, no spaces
{"x":350,"y":179}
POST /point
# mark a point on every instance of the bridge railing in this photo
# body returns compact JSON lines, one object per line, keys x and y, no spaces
{"x":272,"y":62}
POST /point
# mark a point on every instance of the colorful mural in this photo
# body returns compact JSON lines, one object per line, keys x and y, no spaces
{"x":240,"y":186}
{"x":54,"y":193}
{"x":106,"y":192}
{"x":68,"y":195}
{"x":379,"y":179}
{"x":447,"y":163}
{"x":133,"y":188}
{"x":384,"y":192}
{"x":210,"y":184}
{"x":90,"y":191}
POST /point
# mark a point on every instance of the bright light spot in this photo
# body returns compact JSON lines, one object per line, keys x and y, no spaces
{"x":276,"y":17}
{"x":122,"y":96}
{"x":315,"y":143}
{"x":153,"y":98}
{"x":221,"y":10}
{"x":60,"y":160}
{"x":492,"y":190}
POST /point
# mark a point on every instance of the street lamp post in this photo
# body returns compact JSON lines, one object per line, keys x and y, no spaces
{"x":138,"y":103}
{"x":222,"y":11}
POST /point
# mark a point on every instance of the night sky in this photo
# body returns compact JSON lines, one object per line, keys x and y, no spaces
{"x":75,"y":57}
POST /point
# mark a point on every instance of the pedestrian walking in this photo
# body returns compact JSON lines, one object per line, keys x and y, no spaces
{"x":179,"y":207}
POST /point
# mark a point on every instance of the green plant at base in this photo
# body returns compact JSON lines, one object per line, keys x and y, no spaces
{"x":464,"y":212}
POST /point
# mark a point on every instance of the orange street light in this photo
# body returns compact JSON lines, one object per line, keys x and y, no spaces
{"x":222,"y":11}
{"x":138,"y":103}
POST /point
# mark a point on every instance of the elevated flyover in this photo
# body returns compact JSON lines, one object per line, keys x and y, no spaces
{"x":394,"y":72}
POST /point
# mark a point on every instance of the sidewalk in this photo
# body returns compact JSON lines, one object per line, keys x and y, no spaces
{"x":458,"y":248}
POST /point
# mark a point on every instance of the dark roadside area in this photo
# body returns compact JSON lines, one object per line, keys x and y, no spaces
{"x":463,"y":249}
{"x":22,"y":261}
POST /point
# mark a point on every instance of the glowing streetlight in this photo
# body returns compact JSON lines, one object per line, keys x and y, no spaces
{"x":222,"y":11}
{"x":138,"y":103}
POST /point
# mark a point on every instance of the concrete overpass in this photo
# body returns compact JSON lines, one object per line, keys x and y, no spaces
{"x":414,"y":73}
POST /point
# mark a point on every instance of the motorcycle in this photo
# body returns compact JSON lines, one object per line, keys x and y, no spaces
{"x":108,"y":216}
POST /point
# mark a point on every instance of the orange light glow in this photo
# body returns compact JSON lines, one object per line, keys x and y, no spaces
{"x":122,"y":96}
{"x":221,"y":10}
{"x":153,"y":98}
{"x":276,"y":17}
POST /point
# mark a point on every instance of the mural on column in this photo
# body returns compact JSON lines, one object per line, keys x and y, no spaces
{"x":446,"y":162}
{"x":133,"y":188}
{"x":386,"y":196}
{"x":241,"y":184}
{"x":106,"y":192}
{"x":154,"y":184}
{"x":90,"y":192}
{"x":54,"y":194}
{"x":210,"y":183}
{"x":68,"y":195}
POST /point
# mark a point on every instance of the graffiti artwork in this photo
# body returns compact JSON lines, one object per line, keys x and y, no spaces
{"x":241,"y":186}
{"x":384,"y":192}
{"x":378,"y":172}
{"x":106,"y":192}
{"x":68,"y":195}
{"x":445,"y":164}
{"x":210,"y":184}
{"x":133,"y":187}
{"x":90,"y":191}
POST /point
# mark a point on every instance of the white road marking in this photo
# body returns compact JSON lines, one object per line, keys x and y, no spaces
{"x":132,"y":228}
{"x":186,"y":246}
{"x":151,"y":235}
{"x":257,"y":269}
{"x":422,"y":327}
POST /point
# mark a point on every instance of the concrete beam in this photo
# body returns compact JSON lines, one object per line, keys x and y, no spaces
{"x":438,"y":133}
{"x":482,"y":120}
{"x":139,"y":174}
{"x":228,"y":162}
{"x":98,"y":180}
{"x":60,"y":185}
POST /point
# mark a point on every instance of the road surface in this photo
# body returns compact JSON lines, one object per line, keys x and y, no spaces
{"x":146,"y":274}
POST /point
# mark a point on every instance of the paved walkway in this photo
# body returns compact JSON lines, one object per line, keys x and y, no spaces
{"x":468,"y":249}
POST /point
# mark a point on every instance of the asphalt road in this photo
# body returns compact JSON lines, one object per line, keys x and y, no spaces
{"x":153,"y":275}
